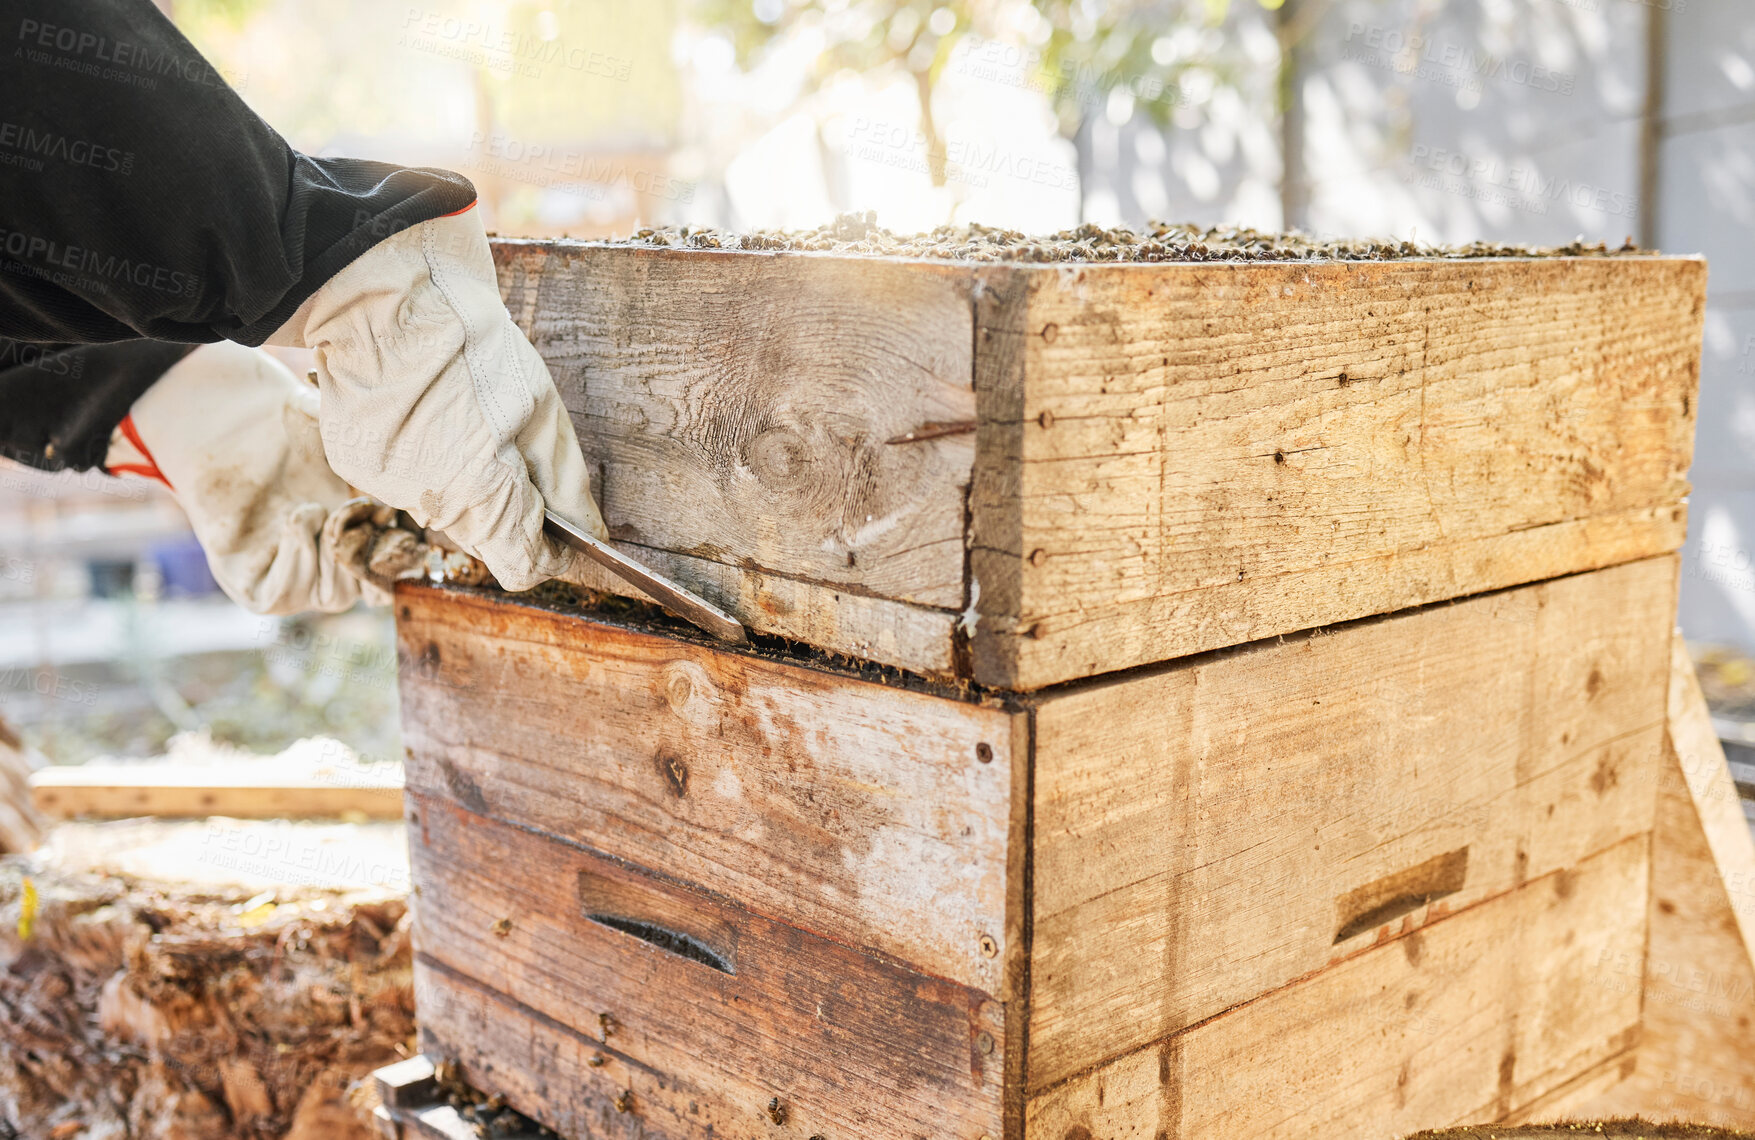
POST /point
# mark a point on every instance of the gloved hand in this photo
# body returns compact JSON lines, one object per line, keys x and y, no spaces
{"x":435,"y":403}
{"x":233,"y":434}
{"x":372,"y":543}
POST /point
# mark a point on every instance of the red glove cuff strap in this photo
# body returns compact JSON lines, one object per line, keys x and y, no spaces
{"x":150,"y":468}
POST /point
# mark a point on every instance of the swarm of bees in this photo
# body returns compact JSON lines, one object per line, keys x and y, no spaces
{"x":489,"y":1114}
{"x":859,"y":235}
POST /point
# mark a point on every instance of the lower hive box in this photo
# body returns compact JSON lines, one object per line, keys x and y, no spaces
{"x":1373,"y":877}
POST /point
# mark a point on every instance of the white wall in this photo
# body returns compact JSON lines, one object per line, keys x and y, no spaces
{"x":1706,"y":204}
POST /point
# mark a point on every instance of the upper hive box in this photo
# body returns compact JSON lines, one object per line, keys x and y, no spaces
{"x":1020,"y":472}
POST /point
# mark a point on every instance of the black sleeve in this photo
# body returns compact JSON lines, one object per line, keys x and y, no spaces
{"x":60,"y":402}
{"x":140,"y":197}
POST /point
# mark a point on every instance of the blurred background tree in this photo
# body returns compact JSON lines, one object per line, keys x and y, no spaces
{"x":1088,"y":56}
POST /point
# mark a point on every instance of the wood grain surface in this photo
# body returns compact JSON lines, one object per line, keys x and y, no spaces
{"x":911,"y":637}
{"x":1209,"y":455}
{"x":1696,"y":1058}
{"x":1462,"y":1020}
{"x":1106,"y":466}
{"x":242,"y":792}
{"x":739,"y":407}
{"x":564,"y":979}
{"x":867,"y":813}
{"x":1205,"y":834}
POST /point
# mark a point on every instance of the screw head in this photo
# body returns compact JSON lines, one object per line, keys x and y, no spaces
{"x":984,"y":752}
{"x":984,"y":1041}
{"x":989,"y":948}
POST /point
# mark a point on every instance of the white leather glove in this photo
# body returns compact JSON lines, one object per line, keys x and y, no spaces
{"x":435,"y":403}
{"x":233,"y":434}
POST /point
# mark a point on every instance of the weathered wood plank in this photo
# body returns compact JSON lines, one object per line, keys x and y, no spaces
{"x":1712,"y":794}
{"x":1461,"y":1021}
{"x":996,"y":538}
{"x":1215,"y":454}
{"x":910,"y":637}
{"x":412,"y":1083}
{"x":870,"y":814}
{"x":1696,"y":1058}
{"x":710,"y":1018}
{"x":1570,"y":1101}
{"x":531,"y":1059}
{"x":412,"y":1106}
{"x":739,"y":406}
{"x":1207,"y":833}
{"x":1015,"y":947}
{"x":241,"y":791}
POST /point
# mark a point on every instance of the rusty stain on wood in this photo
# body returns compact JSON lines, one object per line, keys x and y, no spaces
{"x":933,"y":431}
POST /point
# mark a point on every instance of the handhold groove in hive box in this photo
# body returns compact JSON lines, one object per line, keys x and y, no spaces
{"x":677,"y":925}
{"x":1403,"y":892}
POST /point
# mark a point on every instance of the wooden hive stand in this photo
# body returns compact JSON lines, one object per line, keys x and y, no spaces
{"x":1189,"y":700}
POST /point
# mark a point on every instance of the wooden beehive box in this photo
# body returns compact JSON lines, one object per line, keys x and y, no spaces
{"x":1113,"y":810}
{"x":1153,"y":461}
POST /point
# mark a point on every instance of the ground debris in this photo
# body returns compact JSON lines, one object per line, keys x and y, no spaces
{"x":1631,"y":1128}
{"x":156,"y":1012}
{"x":857,"y":235}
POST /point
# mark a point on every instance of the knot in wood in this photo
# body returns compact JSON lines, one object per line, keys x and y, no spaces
{"x":780,"y":457}
{"x":674,"y":772}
